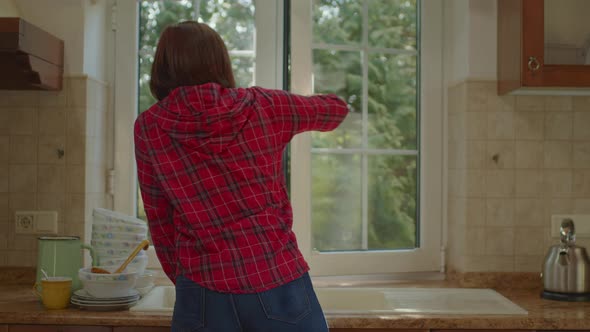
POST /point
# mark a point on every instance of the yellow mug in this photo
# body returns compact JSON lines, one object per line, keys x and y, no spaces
{"x":55,"y":292}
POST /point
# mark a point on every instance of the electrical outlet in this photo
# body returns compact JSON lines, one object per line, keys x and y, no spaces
{"x":25,"y":222}
{"x":581,"y":223}
{"x":36,"y":222}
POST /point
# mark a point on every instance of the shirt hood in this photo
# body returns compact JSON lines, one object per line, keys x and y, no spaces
{"x":207,"y":117}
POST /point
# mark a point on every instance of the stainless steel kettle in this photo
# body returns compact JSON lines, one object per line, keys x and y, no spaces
{"x":566,"y":269}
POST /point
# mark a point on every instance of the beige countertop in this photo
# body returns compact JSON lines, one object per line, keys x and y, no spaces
{"x":18,"y":305}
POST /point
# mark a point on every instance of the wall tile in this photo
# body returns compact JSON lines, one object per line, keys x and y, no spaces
{"x":581,"y":104}
{"x":23,"y":149}
{"x":581,"y":126}
{"x":48,"y":150}
{"x":558,"y":154}
{"x":477,"y":96}
{"x":23,"y":121}
{"x":53,"y":202}
{"x":21,"y":258}
{"x":51,"y":179}
{"x":4,"y":149}
{"x":476,"y":125}
{"x":76,"y":122}
{"x":558,"y":183}
{"x":529,"y":241}
{"x":529,"y":126}
{"x":76,"y":183}
{"x":23,"y":178}
{"x":529,"y":183}
{"x":501,"y":103}
{"x":475,"y":183}
{"x":4,"y":234}
{"x":54,"y":98}
{"x":457,"y":127}
{"x":19,"y":98}
{"x":529,"y":154}
{"x":21,"y":201}
{"x":74,"y":209}
{"x":474,"y":238}
{"x":475,"y":211}
{"x":529,"y":212}
{"x":500,"y":154}
{"x":558,"y":103}
{"x":557,"y":206}
{"x":581,"y":155}
{"x":21,"y":242}
{"x":456,"y":157}
{"x":530,"y":103}
{"x":4,"y":208}
{"x":475,"y":154}
{"x":52,"y":121}
{"x":4,"y":186}
{"x":500,"y":125}
{"x":581,"y":183}
{"x":457,"y":98}
{"x":75,"y":150}
{"x":489,"y":263}
{"x":76,"y":92}
{"x":499,"y":241}
{"x":456,"y":211}
{"x":499,"y":183}
{"x":456,"y":183}
{"x":499,"y":212}
{"x":533,"y":263}
{"x":559,"y":125}
{"x":581,"y":206}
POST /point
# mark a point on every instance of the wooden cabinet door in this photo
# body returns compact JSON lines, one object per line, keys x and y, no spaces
{"x":57,"y":328}
{"x":141,"y":329}
{"x":3,"y":328}
{"x":533,"y":47}
{"x":376,"y":330}
{"x":522,"y":58}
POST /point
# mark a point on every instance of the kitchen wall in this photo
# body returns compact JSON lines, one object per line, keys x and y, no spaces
{"x":55,"y":146}
{"x":513,"y":161}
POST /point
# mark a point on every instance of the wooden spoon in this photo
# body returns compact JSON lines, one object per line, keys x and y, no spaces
{"x":145,"y":244}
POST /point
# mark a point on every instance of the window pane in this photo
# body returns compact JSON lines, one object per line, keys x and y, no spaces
{"x":243,"y":68}
{"x":337,"y":21}
{"x":392,"y":102}
{"x":393,"y":24}
{"x":392,"y":202}
{"x":336,"y":202}
{"x":233,"y":20}
{"x":339,"y":72}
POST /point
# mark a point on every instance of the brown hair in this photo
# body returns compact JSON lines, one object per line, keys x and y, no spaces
{"x":189,"y":53}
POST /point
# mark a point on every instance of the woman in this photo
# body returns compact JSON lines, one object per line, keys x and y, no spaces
{"x":209,"y":159}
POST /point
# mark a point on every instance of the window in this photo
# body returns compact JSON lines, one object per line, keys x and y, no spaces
{"x":367,"y":197}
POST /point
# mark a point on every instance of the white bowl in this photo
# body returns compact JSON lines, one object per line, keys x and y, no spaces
{"x":108,"y":285}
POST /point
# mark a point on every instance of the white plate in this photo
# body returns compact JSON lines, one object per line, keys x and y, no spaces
{"x":83,"y":294}
{"x":104,"y":307}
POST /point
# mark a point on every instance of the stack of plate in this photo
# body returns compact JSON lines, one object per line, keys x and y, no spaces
{"x":83,"y":300}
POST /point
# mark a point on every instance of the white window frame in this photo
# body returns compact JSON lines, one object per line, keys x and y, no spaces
{"x":429,"y":257}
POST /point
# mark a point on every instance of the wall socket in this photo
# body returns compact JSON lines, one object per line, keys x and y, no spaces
{"x":36,"y":222}
{"x":581,"y":223}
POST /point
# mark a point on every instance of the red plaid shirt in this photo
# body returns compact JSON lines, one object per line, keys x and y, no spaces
{"x":209,"y":162}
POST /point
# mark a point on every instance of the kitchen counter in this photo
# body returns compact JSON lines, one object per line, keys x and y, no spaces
{"x":18,"y":305}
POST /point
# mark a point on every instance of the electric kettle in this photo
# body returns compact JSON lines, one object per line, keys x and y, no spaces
{"x":61,"y":256}
{"x":566,"y":269}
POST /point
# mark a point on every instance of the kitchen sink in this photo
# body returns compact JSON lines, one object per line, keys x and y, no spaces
{"x":344,"y":300}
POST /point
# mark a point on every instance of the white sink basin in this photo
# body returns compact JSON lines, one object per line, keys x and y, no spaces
{"x":448,"y":301}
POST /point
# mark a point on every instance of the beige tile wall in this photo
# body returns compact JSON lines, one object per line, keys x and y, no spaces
{"x":34,"y":127}
{"x":513,"y":162}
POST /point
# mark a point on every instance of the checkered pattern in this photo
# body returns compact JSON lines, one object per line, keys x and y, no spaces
{"x":209,"y":162}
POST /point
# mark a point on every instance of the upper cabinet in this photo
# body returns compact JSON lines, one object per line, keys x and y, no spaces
{"x":543,"y":44}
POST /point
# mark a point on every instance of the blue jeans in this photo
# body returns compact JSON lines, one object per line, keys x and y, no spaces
{"x":287,"y":308}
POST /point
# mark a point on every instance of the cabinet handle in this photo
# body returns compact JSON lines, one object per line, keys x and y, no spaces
{"x":533,"y":64}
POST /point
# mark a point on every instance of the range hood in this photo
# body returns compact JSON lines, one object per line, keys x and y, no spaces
{"x":30,"y":58}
